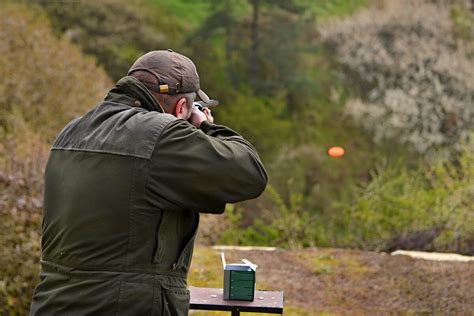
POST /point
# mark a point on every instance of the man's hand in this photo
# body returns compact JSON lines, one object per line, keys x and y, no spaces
{"x":209,"y":117}
{"x":197,"y":116}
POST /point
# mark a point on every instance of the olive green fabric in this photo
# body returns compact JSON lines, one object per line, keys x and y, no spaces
{"x":124,"y":186}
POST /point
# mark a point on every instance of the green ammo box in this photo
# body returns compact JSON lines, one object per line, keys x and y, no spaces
{"x":239,"y":281}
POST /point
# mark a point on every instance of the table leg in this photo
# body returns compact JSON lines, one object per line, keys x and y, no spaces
{"x":235,"y":312}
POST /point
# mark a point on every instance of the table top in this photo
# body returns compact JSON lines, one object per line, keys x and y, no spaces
{"x":212,"y":299}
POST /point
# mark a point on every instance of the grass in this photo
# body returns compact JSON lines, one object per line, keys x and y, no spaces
{"x":325,"y":9}
{"x":326,"y":263}
{"x":194,"y":12}
{"x":206,"y":268}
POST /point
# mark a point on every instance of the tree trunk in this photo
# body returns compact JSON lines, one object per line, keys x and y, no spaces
{"x":254,"y":48}
{"x":229,"y":46}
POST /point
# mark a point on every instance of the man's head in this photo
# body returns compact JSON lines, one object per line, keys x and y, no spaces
{"x":177,"y":104}
{"x":172,"y":79}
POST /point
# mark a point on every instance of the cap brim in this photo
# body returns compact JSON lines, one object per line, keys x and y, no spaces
{"x":203,"y":96}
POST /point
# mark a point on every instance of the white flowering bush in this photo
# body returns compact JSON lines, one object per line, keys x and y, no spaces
{"x":414,"y":76}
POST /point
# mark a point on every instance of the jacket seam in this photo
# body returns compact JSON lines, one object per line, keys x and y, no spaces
{"x":100,"y":152}
{"x":109,"y":269}
{"x":119,"y":297}
{"x":161,"y":133}
{"x":178,"y":121}
{"x":131,"y":235}
{"x":147,"y":177}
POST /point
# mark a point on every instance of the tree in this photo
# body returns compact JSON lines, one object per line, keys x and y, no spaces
{"x":116,"y":32}
{"x":261,"y":44}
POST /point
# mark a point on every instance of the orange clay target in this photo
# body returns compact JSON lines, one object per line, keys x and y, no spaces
{"x":336,"y":152}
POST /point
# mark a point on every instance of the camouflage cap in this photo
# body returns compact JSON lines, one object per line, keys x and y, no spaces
{"x":175,"y":73}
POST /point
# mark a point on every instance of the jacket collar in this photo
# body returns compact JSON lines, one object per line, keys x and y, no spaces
{"x":131,"y":91}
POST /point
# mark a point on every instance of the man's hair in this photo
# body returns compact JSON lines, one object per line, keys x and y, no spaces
{"x":167,"y":101}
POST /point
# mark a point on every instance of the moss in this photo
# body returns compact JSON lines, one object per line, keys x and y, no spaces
{"x":463,"y":22}
{"x":324,"y":264}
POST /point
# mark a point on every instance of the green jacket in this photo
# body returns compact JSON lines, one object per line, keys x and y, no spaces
{"x":124,"y":186}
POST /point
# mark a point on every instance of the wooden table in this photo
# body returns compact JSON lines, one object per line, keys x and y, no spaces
{"x":212,"y":300}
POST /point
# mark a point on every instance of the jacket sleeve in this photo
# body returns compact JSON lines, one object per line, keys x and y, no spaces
{"x":203,"y":169}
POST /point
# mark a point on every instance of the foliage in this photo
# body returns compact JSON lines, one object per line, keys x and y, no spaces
{"x":428,"y":209}
{"x":21,"y":187}
{"x":297,"y":103}
{"x":245,"y":37}
{"x":246,"y":113}
{"x":294,"y":113}
{"x":328,"y":9}
{"x":45,"y":81}
{"x":267,"y":47}
{"x":288,"y":225}
{"x":299,"y":208}
{"x":115,"y":32}
{"x":416,"y":81}
{"x":463,"y":22}
{"x":187,"y":14}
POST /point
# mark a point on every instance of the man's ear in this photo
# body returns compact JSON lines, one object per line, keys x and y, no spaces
{"x":180,"y":110}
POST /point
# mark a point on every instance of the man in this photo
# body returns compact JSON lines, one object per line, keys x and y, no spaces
{"x":124,"y":186}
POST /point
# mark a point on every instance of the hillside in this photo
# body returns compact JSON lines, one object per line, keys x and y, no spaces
{"x":336,"y":281}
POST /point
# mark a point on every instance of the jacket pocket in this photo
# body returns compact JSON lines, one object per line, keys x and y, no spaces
{"x":184,"y":259}
{"x":175,"y":301}
{"x":158,"y":255}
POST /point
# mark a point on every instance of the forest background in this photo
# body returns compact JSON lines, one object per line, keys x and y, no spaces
{"x":390,"y":81}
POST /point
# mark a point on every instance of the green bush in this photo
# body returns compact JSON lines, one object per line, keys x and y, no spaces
{"x":463,"y":22}
{"x":260,"y":120}
{"x":288,"y":224}
{"x":326,"y":9}
{"x":428,"y":208}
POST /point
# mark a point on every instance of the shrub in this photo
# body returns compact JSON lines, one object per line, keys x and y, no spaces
{"x":285,"y":224}
{"x":21,"y":187}
{"x":45,"y":81}
{"x":425,"y":209}
{"x":415,"y":77}
{"x":115,"y":32}
{"x":256,"y":118}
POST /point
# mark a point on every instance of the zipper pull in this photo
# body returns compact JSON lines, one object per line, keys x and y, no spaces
{"x":174,"y":266}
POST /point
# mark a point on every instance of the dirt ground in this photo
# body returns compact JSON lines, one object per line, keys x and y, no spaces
{"x":340,"y":282}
